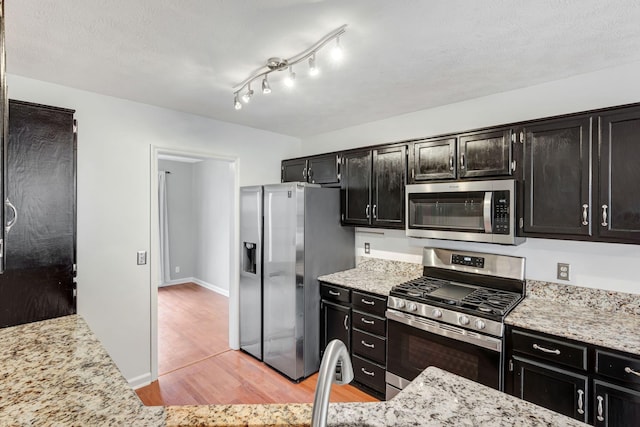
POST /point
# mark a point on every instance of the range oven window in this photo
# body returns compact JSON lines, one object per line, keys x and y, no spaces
{"x":447,"y":211}
{"x":411,"y":350}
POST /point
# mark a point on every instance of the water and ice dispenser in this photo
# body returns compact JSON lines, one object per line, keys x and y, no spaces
{"x":249,"y":251}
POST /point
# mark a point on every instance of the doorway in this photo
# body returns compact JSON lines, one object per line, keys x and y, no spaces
{"x":200,"y":243}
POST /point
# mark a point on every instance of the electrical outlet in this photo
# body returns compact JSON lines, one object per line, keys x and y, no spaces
{"x":142,"y":257}
{"x":367,"y":248}
{"x":177,"y":269}
{"x":563,"y":271}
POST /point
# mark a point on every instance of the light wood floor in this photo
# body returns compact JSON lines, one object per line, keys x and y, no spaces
{"x":196,"y":365}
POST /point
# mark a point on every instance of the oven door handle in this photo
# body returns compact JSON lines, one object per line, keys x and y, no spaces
{"x":486,"y":211}
{"x":458,"y":334}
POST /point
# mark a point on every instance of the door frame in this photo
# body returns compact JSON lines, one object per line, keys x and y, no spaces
{"x":154,"y":244}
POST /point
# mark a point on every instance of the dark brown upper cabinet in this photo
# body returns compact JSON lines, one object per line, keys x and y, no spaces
{"x":322,"y":169}
{"x":557,"y":171}
{"x":617,"y":213}
{"x":433,"y":159}
{"x":373,"y":187}
{"x":470,"y":155}
{"x":579,"y":177}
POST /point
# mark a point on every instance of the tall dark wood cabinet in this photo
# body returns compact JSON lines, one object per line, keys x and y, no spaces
{"x":4,"y":118}
{"x":557,"y":177}
{"x":356,"y":186}
{"x":40,"y":236}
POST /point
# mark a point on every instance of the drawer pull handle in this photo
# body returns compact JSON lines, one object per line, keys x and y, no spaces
{"x":546,"y":350}
{"x":366,"y":344}
{"x":600,"y":409}
{"x":580,"y":402}
{"x":371,"y":374}
{"x":368,"y":322}
{"x":334,"y":293}
{"x":628,"y":370}
{"x":366,"y":301}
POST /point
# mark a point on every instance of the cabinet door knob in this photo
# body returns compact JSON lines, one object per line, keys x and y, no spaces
{"x":366,"y":211}
{"x":604,"y":215}
{"x":451,"y":162}
{"x":346,"y":322}
{"x":11,"y":222}
{"x":304,"y":174}
{"x":585,"y":214}
{"x":462,"y":161}
{"x":375,"y":211}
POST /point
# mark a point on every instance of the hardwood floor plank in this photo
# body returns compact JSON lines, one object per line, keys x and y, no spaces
{"x":198,"y":367}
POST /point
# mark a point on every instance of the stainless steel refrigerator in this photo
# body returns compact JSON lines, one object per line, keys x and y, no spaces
{"x":290,"y":234}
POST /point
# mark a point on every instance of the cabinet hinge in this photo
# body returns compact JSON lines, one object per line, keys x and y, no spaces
{"x":510,"y":365}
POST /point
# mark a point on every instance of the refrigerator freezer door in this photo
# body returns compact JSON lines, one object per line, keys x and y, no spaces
{"x":283,"y":321}
{"x":251,"y":270}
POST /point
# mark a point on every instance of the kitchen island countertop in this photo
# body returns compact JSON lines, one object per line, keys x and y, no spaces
{"x":56,"y":372}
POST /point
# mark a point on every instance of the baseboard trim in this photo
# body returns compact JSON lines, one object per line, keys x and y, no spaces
{"x":140,"y":381}
{"x":211,"y":287}
{"x":214,"y":288}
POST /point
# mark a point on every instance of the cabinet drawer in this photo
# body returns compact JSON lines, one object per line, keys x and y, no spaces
{"x":618,"y":367}
{"x":335,"y":293}
{"x":553,"y":350}
{"x":368,"y":373}
{"x":368,"y":323}
{"x":369,"y":346}
{"x":369,"y":303}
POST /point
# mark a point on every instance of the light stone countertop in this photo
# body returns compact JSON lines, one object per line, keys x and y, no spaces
{"x":375,"y":275}
{"x":594,"y":316}
{"x":56,"y":372}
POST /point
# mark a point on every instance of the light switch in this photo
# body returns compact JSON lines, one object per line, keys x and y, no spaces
{"x":142,"y":257}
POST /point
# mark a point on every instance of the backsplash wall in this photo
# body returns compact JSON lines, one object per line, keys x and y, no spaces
{"x":606,"y":266}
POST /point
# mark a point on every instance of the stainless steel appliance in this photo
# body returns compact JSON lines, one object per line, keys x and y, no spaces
{"x":452,"y":317}
{"x":289,"y":235}
{"x":473,"y":211}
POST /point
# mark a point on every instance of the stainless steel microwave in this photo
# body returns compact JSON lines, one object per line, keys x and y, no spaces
{"x":473,"y":211}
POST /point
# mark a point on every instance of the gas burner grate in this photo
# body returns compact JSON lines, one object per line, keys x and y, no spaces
{"x":418,"y":288}
{"x":491,"y":301}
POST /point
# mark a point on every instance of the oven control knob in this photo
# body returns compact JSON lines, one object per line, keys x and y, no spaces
{"x":436,"y":313}
{"x":412,"y":306}
{"x":480,"y":324}
{"x":463,"y":320}
{"x":400,"y":303}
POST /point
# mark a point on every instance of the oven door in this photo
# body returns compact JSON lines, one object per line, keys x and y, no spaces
{"x":415,"y":343}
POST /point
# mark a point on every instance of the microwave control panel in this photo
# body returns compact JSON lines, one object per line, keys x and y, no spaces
{"x":501,"y":204}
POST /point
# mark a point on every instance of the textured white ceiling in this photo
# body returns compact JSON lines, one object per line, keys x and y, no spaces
{"x":401,"y":56}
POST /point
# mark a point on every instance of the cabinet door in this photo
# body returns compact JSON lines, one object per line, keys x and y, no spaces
{"x":556,"y":389}
{"x":433,"y":159}
{"x":388,"y":187}
{"x":323,"y":169}
{"x":294,"y":170}
{"x":4,"y":111}
{"x":615,"y":406}
{"x":356,"y":188}
{"x":557,"y":171}
{"x":485,"y":154}
{"x":336,"y":324}
{"x":40,"y":245}
{"x":618,"y":210}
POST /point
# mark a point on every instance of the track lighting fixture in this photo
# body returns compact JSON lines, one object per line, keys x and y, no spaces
{"x":290,"y":80}
{"x":266,"y":89}
{"x":282,"y":64}
{"x":313,"y":69}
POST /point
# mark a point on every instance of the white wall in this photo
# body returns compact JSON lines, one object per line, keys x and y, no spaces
{"x":214,"y":210}
{"x":114,"y":170}
{"x":606,"y":266}
{"x":181,"y":213}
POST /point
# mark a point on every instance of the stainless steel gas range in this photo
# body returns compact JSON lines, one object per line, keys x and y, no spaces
{"x":452,"y":317}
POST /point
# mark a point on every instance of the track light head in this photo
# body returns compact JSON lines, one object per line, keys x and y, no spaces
{"x":313,"y":69}
{"x":266,"y":89}
{"x":336,"y":52}
{"x":236,"y":102}
{"x":290,"y":80}
{"x":248,"y":94}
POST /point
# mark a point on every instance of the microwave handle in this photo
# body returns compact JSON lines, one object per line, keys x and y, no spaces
{"x":486,"y":211}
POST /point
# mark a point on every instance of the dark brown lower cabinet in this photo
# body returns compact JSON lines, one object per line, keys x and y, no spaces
{"x":40,"y":242}
{"x":556,"y":389}
{"x":336,"y":324}
{"x":615,"y":406}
